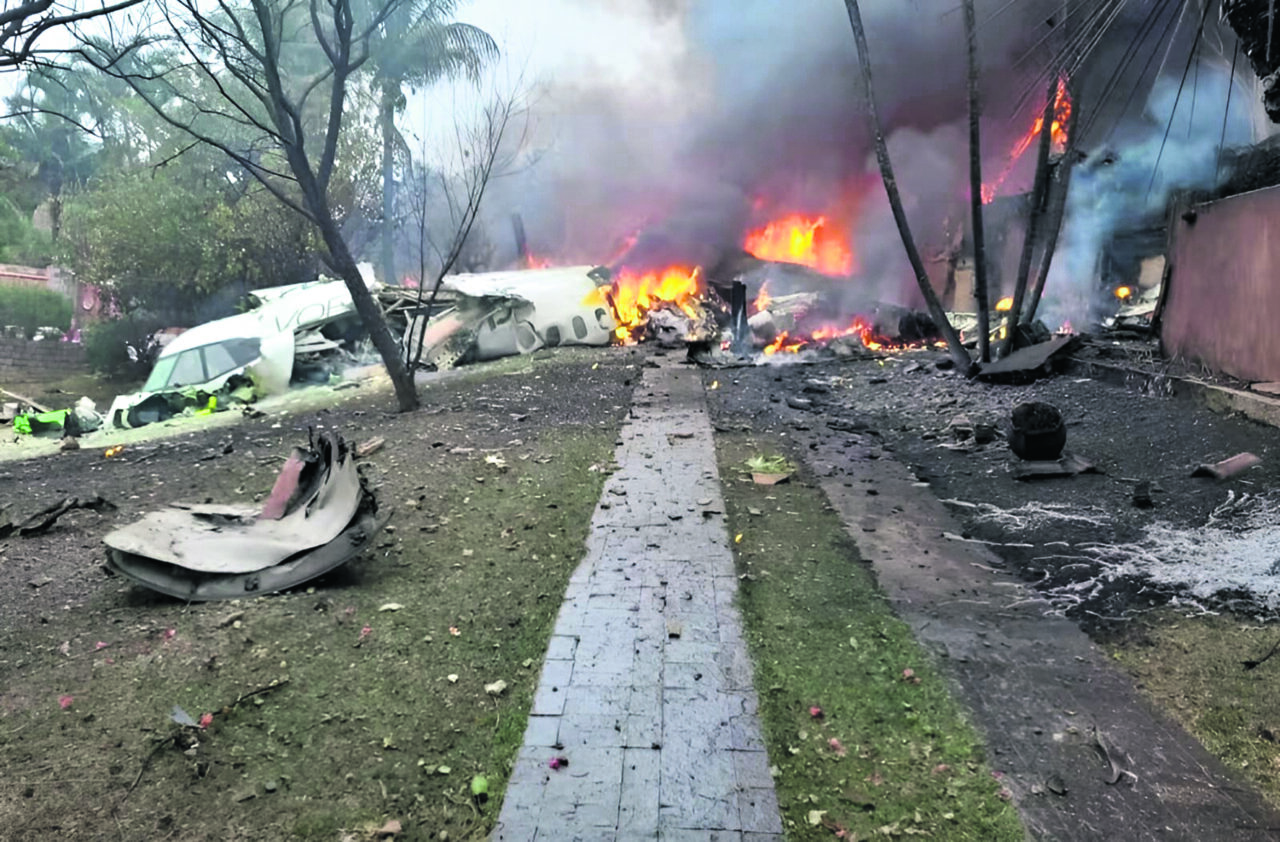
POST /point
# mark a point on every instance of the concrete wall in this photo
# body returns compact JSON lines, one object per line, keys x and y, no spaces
{"x":23,"y":361}
{"x":1223,"y":302}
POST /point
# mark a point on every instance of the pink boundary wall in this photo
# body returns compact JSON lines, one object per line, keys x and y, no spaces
{"x":1222,"y":307}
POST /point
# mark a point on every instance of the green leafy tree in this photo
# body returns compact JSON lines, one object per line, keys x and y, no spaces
{"x":20,"y":242}
{"x":278,"y":74}
{"x":164,"y":242}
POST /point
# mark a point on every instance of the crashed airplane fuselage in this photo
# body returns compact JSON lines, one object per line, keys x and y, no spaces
{"x":253,"y":354}
{"x":499,"y":314}
{"x":247,"y":355}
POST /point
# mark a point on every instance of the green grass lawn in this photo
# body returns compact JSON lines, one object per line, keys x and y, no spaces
{"x":1193,"y":668}
{"x":380,"y":711}
{"x":864,"y":737}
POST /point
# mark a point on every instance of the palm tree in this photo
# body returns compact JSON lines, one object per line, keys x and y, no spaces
{"x":416,"y":46}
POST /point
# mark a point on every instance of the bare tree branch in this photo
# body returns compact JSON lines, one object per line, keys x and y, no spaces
{"x":490,"y":146}
{"x":22,"y":24}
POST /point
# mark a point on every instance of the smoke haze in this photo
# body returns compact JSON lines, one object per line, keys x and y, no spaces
{"x":730,"y":111}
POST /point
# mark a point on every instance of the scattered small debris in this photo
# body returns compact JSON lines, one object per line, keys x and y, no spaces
{"x":390,"y":606}
{"x":1142,"y":495}
{"x":1112,"y":758}
{"x":497,"y":688}
{"x":1068,"y":466}
{"x":1227,"y":467}
{"x":181,"y":717}
{"x":370,"y":447}
{"x":558,"y":762}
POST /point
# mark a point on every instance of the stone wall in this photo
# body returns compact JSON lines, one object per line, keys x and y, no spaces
{"x":24,"y":361}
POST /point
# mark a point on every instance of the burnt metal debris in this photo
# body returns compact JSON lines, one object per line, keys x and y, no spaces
{"x":319,"y":515}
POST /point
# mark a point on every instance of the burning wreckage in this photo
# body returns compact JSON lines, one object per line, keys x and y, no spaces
{"x":309,"y":333}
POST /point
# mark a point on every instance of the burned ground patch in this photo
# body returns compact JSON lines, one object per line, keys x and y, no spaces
{"x":1081,"y":540}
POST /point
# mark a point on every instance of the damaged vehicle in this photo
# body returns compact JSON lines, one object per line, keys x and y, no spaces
{"x":247,"y":356}
{"x":320,"y":514}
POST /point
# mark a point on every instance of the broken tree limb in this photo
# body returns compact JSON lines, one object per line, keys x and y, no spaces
{"x":1039,"y":198}
{"x":26,"y":400}
{"x":957,"y":351}
{"x":975,"y":188}
{"x":1251,"y":665}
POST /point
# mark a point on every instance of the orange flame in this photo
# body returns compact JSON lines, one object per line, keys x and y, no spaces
{"x":1057,"y":130}
{"x":1124,"y":293}
{"x":861,"y":327}
{"x":533,"y":261}
{"x":634,"y":294}
{"x":1004,"y":305}
{"x":808,"y":241}
{"x":781,"y":343}
{"x":763,"y":300}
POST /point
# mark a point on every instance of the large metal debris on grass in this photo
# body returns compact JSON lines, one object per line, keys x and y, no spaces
{"x":499,"y":314}
{"x":318,"y":516}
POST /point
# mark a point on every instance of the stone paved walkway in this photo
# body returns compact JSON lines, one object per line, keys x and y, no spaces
{"x":646,"y":688}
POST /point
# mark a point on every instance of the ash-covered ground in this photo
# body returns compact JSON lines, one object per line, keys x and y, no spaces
{"x":1088,"y":549}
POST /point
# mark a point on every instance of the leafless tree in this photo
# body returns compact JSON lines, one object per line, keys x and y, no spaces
{"x":267,"y":83}
{"x":491,"y":147}
{"x":23,"y":23}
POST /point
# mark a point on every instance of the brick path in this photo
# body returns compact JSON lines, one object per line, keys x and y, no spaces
{"x":646,"y":688}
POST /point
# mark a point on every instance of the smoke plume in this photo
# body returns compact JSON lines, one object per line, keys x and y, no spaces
{"x":747,"y":108}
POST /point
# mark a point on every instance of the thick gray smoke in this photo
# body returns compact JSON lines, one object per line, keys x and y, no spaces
{"x":755,"y":109}
{"x":758,"y":111}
